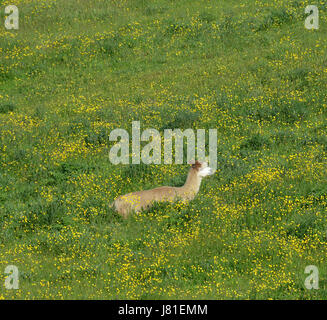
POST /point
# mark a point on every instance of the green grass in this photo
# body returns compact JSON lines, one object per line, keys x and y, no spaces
{"x":76,"y":70}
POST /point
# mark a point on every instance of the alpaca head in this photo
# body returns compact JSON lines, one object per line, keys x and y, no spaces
{"x":202,"y":169}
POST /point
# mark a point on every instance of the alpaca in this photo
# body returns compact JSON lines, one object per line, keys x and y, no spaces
{"x":141,"y":200}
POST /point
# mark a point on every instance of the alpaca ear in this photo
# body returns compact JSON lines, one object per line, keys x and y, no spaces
{"x":196,"y":165}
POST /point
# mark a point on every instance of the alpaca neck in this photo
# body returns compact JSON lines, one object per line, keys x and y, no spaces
{"x":192,"y":184}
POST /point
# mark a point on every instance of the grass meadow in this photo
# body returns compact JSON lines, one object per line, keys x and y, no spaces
{"x":75,"y":70}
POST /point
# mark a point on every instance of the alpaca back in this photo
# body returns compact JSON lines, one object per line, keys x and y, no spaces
{"x":140,"y":200}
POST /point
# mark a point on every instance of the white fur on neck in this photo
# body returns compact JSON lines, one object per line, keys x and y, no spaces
{"x":191,"y":186}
